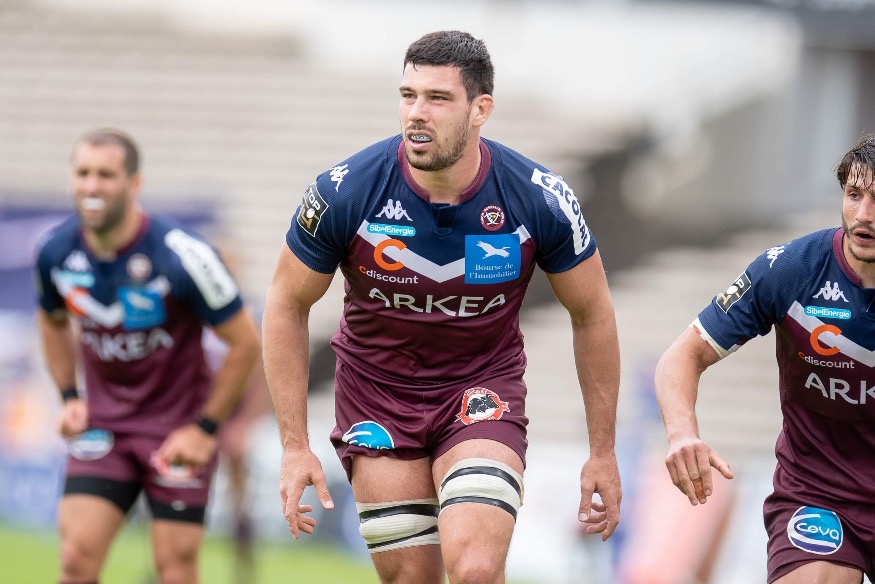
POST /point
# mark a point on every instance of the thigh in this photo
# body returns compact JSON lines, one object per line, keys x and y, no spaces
{"x":807,"y":541}
{"x":482,"y":528}
{"x":176,"y":545}
{"x":87,"y":525}
{"x":378,"y":481}
{"x":822,"y":572}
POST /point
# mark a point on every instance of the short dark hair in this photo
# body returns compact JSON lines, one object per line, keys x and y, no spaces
{"x":105,"y":136}
{"x":856,"y":160}
{"x":456,"y":49}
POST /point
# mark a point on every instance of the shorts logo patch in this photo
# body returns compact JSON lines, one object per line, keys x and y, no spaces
{"x":480,"y":404}
{"x":175,"y":475}
{"x":312,"y":208}
{"x":492,"y":218}
{"x":734,"y":293}
{"x":815,"y":530}
{"x":91,"y":444}
{"x":369,"y":434}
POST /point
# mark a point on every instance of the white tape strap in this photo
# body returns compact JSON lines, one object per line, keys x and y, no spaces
{"x":485,"y":481}
{"x":398,"y":524}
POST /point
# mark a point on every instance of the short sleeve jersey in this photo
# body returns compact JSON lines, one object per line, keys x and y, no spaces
{"x":825,"y":334}
{"x":433,"y":291}
{"x":141,"y":319}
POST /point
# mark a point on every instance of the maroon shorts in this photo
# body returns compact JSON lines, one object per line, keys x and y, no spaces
{"x":804,"y":529}
{"x":411,"y":423}
{"x":129,"y":458}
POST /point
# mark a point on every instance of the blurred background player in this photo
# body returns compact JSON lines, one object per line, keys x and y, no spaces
{"x":141,"y":289}
{"x":234,"y":442}
{"x":437,"y":233}
{"x":818,"y":292}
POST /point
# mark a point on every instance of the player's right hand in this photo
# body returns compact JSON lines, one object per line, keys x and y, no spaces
{"x":689,"y":463}
{"x":74,"y":418}
{"x":300,"y":469}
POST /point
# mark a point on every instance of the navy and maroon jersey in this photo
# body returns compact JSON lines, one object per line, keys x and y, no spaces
{"x":825,"y":334}
{"x":141,"y":320}
{"x":433,"y":291}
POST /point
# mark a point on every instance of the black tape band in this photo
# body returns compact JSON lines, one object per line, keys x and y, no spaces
{"x":69,"y":393}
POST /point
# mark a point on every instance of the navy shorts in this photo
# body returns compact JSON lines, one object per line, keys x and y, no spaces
{"x":409,"y":424}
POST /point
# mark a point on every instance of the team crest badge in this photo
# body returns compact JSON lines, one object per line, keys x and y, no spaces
{"x":139,"y":267}
{"x":480,"y":404}
{"x":492,"y":218}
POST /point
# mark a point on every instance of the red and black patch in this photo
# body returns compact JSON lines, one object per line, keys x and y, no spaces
{"x":480,"y":404}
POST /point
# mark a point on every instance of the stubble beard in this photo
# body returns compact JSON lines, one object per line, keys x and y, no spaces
{"x":445,"y":157}
{"x":112,"y":218}
{"x":851,"y":248}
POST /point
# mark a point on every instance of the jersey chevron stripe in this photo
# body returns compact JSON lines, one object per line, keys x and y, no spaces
{"x":848,"y":347}
{"x":422,"y":266}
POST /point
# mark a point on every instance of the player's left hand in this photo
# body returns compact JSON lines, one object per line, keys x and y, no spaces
{"x":188,"y":446}
{"x":600,"y":475}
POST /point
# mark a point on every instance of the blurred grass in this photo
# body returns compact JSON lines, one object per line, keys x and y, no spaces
{"x":32,"y":558}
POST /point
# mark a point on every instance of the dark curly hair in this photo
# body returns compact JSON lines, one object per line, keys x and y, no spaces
{"x":854,"y":163}
{"x":456,"y":49}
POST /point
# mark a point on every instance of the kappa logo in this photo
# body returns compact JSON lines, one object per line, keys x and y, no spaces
{"x":830,"y":291}
{"x":773,"y":252}
{"x":337,"y":173}
{"x":77,"y":261}
{"x":493,"y":251}
{"x":394,"y":210}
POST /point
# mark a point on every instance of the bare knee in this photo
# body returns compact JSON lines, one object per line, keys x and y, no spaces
{"x":475,"y":569}
{"x":79,"y":562}
{"x":177,"y":568}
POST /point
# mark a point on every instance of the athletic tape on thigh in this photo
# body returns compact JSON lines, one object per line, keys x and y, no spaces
{"x":481,"y":480}
{"x":398,"y":524}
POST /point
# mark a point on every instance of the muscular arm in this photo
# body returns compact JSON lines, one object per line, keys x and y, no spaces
{"x":56,"y":333}
{"x":583,"y":291}
{"x":292,"y":292}
{"x":677,"y":382}
{"x":57,"y":340}
{"x":241,"y":335}
{"x":189,"y":444}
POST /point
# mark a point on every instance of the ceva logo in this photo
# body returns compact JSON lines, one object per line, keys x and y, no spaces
{"x":814,"y":530}
{"x":369,"y":434}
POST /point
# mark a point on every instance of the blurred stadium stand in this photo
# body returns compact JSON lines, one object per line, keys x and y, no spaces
{"x":696,"y":136}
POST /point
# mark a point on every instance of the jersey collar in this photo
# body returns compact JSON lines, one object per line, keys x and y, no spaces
{"x":485,"y":165}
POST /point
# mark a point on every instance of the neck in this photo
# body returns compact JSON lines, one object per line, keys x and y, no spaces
{"x":447,"y":185}
{"x":107,"y":245}
{"x":866,"y":270}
